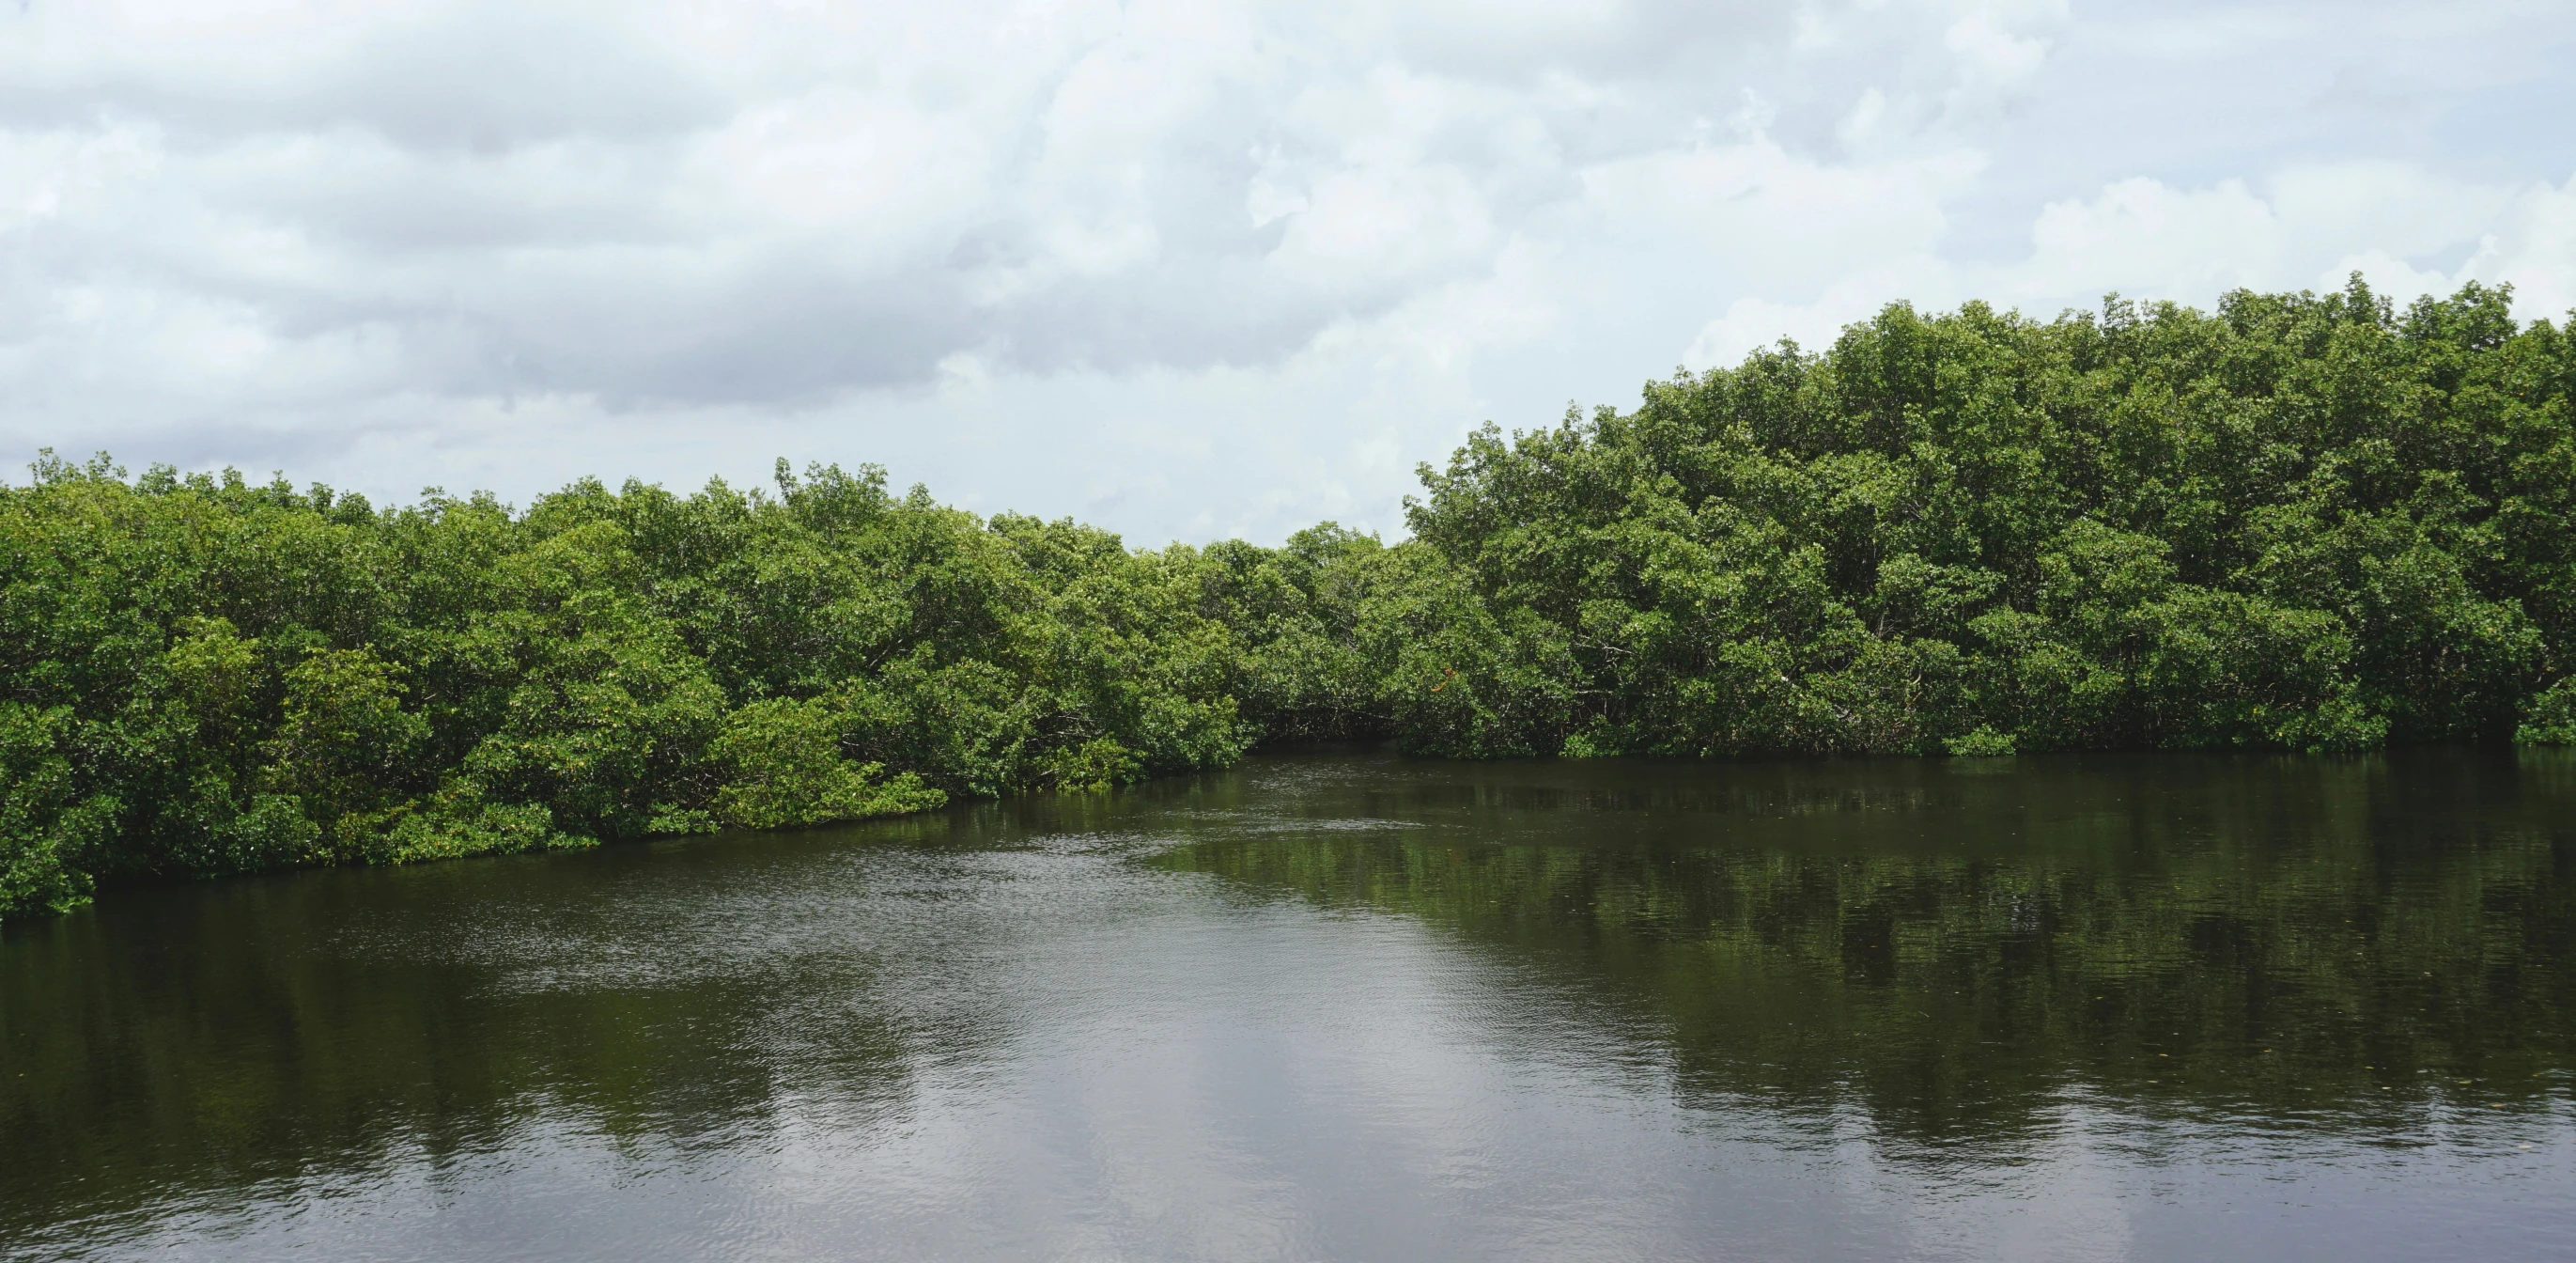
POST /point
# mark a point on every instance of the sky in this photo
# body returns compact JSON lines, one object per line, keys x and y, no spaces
{"x":1186,"y":269}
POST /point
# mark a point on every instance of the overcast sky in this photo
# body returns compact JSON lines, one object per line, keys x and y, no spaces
{"x":1184,"y":268}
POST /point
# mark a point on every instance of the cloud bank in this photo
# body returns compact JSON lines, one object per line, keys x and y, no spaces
{"x":1186,"y":269}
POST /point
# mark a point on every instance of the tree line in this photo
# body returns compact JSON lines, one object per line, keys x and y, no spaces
{"x":2301,"y":521}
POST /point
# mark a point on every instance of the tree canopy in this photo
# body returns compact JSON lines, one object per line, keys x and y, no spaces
{"x":2302,"y":521}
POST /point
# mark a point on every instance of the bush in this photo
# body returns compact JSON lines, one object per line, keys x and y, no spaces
{"x":783,"y":768}
{"x":2551,"y":720}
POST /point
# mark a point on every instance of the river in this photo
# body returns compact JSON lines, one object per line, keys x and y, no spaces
{"x":1352,"y":1006}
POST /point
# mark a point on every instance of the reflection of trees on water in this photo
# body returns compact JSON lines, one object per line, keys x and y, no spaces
{"x":1943,"y":950}
{"x":308,"y":1027}
{"x":2335,"y":942}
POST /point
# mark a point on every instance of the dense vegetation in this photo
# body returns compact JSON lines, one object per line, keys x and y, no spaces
{"x":2301,"y":522}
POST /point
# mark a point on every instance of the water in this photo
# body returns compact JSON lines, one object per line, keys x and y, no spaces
{"x":1351,"y":1007}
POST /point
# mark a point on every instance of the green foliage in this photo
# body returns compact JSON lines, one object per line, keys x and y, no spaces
{"x":343,"y":739}
{"x":2300,"y":522}
{"x":784,"y":768}
{"x":1095,"y":765}
{"x":2552,"y":720}
{"x":203,"y":676}
{"x":459,"y":821}
{"x":44,"y":829}
{"x":1984,"y":743}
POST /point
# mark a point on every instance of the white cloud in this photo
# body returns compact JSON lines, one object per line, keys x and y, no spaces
{"x":2534,"y":250}
{"x":1184,"y":268}
{"x":2310,"y":228}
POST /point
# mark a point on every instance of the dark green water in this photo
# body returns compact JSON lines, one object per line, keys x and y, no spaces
{"x":2150,"y":1007}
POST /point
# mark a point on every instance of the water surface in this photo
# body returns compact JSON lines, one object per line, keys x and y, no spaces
{"x":1355,"y":1007}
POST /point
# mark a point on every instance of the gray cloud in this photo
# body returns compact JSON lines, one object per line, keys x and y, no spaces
{"x":1190,"y":267}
